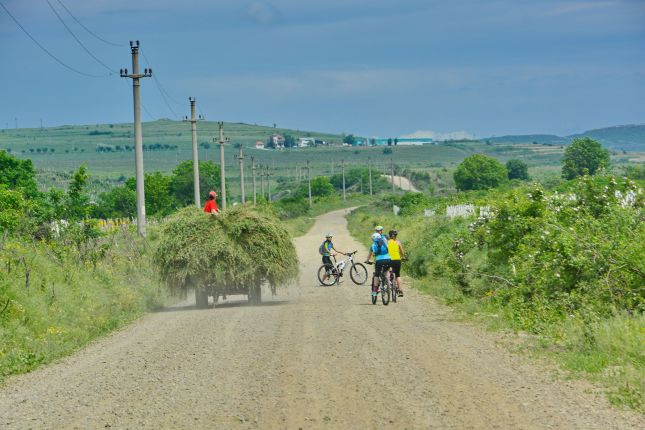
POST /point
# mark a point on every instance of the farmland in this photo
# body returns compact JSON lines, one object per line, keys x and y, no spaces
{"x":58,"y":151}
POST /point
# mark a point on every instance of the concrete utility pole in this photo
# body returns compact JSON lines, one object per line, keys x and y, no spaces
{"x":266,"y":175}
{"x":138,"y":139}
{"x":343,"y":170}
{"x":309,"y":181}
{"x":392,"y":172}
{"x":193,"y":126}
{"x":369,"y":168}
{"x":255,"y":199}
{"x":222,"y":175}
{"x":261,"y":181}
{"x":240,"y":158}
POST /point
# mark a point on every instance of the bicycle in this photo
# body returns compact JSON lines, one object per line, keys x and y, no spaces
{"x":395,"y":286}
{"x":384,"y":287}
{"x":329,"y":276}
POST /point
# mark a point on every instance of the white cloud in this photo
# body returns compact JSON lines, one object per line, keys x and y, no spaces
{"x":435,"y":135}
{"x":262,"y":12}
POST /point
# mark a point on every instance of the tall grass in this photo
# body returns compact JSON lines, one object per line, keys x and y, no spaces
{"x":55,"y":299}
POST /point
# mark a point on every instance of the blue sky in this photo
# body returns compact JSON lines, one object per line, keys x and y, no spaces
{"x":372,"y":68}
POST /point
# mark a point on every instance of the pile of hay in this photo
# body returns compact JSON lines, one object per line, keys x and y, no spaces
{"x":237,"y":249}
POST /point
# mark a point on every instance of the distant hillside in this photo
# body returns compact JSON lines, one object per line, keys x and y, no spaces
{"x":545,"y":139}
{"x":622,"y":137}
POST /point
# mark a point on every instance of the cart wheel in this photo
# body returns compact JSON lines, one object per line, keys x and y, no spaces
{"x":201,"y":298}
{"x":255,"y":295}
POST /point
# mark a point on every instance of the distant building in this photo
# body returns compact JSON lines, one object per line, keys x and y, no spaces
{"x":277,"y":141}
{"x":259,"y":145}
{"x":306,"y":141}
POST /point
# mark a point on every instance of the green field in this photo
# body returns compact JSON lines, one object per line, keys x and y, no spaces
{"x":67,"y":147}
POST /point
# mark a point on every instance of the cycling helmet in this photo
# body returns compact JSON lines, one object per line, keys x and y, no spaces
{"x":378,"y":228}
{"x":393,"y":233}
{"x":376,"y":236}
{"x":329,"y":235}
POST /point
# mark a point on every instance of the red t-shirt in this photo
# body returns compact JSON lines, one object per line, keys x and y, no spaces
{"x":210,"y":206}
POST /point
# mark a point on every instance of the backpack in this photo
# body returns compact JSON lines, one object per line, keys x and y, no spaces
{"x":381,"y":247}
{"x":323,"y":248}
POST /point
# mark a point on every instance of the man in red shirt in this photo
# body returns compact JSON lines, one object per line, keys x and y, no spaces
{"x":211,"y":205}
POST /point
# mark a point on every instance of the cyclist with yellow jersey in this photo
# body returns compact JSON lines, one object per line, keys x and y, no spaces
{"x":395,"y":249}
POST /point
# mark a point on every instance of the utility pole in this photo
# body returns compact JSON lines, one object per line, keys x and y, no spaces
{"x":222,"y":175}
{"x":261,"y":181}
{"x":309,"y":181}
{"x":267,"y":174}
{"x":255,"y":200}
{"x":138,"y":138}
{"x":343,"y":170}
{"x":240,"y":158}
{"x":392,"y":172}
{"x":369,"y":168}
{"x":193,"y":127}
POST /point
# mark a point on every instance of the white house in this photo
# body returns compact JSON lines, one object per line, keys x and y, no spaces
{"x":306,"y":141}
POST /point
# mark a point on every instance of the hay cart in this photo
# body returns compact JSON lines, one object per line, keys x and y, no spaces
{"x":236,"y":252}
{"x":254,"y":294}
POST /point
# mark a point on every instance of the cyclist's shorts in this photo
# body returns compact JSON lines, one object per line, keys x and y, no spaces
{"x":396,"y":267}
{"x":327,"y":260}
{"x":381,"y":265}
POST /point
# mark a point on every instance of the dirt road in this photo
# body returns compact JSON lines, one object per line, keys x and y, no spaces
{"x":401,"y":182}
{"x":312,"y":357}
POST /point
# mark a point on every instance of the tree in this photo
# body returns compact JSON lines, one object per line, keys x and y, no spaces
{"x":584,"y":156}
{"x":18,"y":174}
{"x":13,"y":209}
{"x":289,"y":141}
{"x":159,"y":199}
{"x":78,"y":202}
{"x":349,"y":139}
{"x":517,"y":169}
{"x":119,"y":202}
{"x":182,"y":184}
{"x":320,"y":187}
{"x":479,"y":172}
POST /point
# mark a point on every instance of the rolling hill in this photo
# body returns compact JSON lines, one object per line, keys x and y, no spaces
{"x":622,"y":137}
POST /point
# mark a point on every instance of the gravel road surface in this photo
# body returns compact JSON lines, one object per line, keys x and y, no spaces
{"x":311,"y":357}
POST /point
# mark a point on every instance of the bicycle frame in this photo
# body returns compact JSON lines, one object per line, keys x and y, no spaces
{"x":340,"y":265}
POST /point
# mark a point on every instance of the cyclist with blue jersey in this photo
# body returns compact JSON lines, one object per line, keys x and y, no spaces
{"x":379,"y":250}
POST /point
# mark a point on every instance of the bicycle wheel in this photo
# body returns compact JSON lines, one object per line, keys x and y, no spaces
{"x":358,"y":273}
{"x":385,"y":291}
{"x":327,"y":275}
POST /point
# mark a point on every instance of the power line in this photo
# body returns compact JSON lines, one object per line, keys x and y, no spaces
{"x":152,"y":117}
{"x":160,"y":87}
{"x":87,"y":29}
{"x":59,"y":61}
{"x":77,"y":39}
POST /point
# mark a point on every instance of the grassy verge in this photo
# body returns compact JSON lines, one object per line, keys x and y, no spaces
{"x":606,"y":349}
{"x":56,"y":297}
